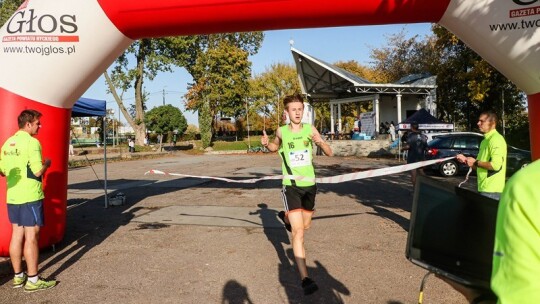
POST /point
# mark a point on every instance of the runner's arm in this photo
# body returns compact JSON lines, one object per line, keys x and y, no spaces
{"x":274,"y":145}
{"x":317,"y":139}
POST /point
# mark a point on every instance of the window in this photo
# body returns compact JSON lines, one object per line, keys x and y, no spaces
{"x":441,"y":143}
{"x":467,"y":142}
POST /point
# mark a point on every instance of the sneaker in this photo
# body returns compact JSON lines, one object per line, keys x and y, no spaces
{"x":281,"y":216}
{"x":19,"y":281}
{"x":41,"y":284}
{"x":309,"y":286}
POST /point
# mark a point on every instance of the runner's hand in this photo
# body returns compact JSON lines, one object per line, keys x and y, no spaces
{"x":264,"y":139}
{"x":317,"y":139}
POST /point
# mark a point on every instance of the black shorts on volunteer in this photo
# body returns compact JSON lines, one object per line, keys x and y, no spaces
{"x":27,"y":214}
{"x":299,"y":198}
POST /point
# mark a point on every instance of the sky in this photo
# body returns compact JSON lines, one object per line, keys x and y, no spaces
{"x":328,"y":44}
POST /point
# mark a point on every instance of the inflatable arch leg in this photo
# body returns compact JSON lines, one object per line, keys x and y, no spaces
{"x":534,"y":124}
{"x":55,"y":130}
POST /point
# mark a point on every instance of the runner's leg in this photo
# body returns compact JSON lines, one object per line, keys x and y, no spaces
{"x":297,"y":223}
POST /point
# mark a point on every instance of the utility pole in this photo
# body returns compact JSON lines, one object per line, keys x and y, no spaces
{"x":163,"y":95}
{"x":278,"y":114}
{"x":118,"y":127}
{"x":247,"y":119}
{"x":113,"y":129}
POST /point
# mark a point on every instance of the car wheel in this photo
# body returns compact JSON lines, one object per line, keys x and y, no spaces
{"x":449,"y":168}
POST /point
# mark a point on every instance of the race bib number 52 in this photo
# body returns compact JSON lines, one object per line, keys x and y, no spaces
{"x":299,"y":158}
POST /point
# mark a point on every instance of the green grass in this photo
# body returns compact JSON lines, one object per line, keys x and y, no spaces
{"x":236,"y":145}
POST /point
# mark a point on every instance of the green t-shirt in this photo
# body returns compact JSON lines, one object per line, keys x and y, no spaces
{"x":516,"y":259}
{"x":492,"y":149}
{"x":20,"y":158}
{"x":296,"y":153}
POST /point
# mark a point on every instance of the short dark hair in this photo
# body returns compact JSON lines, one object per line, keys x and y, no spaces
{"x":292,"y":98}
{"x":414,"y":125}
{"x":491,"y":116}
{"x":27,"y":116}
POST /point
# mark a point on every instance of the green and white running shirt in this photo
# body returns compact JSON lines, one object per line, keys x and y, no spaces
{"x":20,"y":157}
{"x":296,"y":153}
{"x":516,"y":259}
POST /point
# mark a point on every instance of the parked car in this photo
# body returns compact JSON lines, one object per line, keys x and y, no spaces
{"x":451,"y":144}
{"x":517,"y":159}
{"x":432,"y":136}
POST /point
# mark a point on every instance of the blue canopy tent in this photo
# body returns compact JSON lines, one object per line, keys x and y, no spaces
{"x":86,"y":107}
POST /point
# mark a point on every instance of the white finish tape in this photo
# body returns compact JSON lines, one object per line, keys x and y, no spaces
{"x":320,"y":180}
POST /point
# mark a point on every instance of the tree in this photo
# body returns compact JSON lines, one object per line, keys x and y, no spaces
{"x":357,"y":69}
{"x":165,"y":120}
{"x":220,"y":67}
{"x":267,"y":91}
{"x":322,"y":115}
{"x":222,"y":72}
{"x":191,"y":132}
{"x":348,"y":110}
{"x":468,"y":85}
{"x":7,"y":8}
{"x":401,"y":57}
{"x":150,"y":56}
{"x":205,"y":124}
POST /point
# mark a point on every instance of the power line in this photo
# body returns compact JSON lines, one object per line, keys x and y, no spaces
{"x":156,"y":93}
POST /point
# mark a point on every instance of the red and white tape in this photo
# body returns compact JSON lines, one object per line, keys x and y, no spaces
{"x":320,"y":180}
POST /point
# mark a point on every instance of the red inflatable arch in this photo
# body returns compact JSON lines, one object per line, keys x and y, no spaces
{"x":52,"y":50}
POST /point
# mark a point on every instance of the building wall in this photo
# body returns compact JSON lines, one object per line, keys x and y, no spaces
{"x":375,"y":148}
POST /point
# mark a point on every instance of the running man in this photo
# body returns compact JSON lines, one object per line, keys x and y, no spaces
{"x":295,"y":143}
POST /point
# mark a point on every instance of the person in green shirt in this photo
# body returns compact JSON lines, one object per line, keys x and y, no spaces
{"x":516,"y":259}
{"x":21,"y":163}
{"x":490,"y":164}
{"x":294,"y":142}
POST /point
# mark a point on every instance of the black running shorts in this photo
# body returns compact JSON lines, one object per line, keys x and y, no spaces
{"x":299,"y":198}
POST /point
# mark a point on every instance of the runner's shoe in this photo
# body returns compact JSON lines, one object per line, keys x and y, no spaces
{"x":19,"y":281}
{"x":281,"y":216}
{"x":309,"y":286}
{"x":41,"y":284}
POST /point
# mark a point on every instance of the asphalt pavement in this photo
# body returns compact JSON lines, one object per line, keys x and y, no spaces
{"x":199,"y":240}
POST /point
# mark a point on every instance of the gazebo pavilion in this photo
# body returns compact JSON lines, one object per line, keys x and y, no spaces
{"x":321,"y":81}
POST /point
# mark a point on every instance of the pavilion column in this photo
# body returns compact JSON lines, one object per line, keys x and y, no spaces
{"x":398,"y":97}
{"x":427,"y":102}
{"x":332,"y":118}
{"x":339,"y":117}
{"x":377,"y":113}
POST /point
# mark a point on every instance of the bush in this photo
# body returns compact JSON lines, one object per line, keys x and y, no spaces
{"x":192,"y":133}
